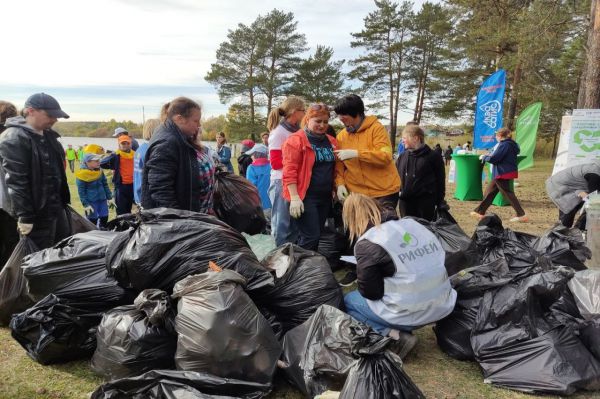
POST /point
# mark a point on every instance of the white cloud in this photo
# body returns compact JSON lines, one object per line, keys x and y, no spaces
{"x":64,"y":44}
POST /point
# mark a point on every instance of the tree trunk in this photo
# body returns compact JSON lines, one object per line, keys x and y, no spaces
{"x":514,"y":94}
{"x":589,"y":89}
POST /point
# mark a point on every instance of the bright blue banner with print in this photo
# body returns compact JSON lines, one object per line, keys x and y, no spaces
{"x":488,"y":111}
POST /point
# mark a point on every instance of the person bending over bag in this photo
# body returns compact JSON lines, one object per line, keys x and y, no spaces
{"x":402,"y":281}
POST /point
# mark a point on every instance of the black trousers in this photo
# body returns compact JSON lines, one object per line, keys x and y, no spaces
{"x":568,"y":218}
{"x":124,"y":198}
{"x":420,"y":207}
{"x":49,"y":230}
{"x":72,"y":166}
{"x":9,"y":236}
{"x":503,"y":186}
{"x":311,"y":222}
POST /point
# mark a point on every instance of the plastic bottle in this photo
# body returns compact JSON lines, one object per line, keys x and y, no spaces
{"x":593,"y":230}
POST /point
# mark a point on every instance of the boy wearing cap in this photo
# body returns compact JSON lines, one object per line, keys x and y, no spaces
{"x":32,"y":171}
{"x":122,"y":131}
{"x":244,"y":160}
{"x":121,"y":162}
{"x":93,"y":190}
{"x":259,"y":174}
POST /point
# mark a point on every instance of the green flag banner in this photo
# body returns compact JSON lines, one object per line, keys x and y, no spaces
{"x":527,"y":125}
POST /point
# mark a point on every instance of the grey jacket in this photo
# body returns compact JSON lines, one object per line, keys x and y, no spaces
{"x":564,"y":187}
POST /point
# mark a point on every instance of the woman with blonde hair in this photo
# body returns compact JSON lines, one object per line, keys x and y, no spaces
{"x":283,"y":121}
{"x":138,"y":158}
{"x":402,"y":281}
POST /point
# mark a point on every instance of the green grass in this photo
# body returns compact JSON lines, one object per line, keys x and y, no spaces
{"x":436,"y":374}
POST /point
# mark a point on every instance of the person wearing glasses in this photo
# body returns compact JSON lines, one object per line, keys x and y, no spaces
{"x":308,"y":175}
{"x":33,"y":174}
{"x":283,"y":121}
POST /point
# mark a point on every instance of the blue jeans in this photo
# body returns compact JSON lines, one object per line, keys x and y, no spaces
{"x":357,"y":307}
{"x":281,"y":227}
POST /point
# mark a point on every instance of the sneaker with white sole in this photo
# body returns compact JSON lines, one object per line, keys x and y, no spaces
{"x":519,"y":219}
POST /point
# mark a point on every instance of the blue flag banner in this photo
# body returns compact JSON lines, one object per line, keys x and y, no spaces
{"x":488,"y":111}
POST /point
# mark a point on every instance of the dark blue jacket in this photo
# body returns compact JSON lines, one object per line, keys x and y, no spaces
{"x":225,"y":157}
{"x":93,"y":191}
{"x":504,"y":158}
{"x":170,"y":177}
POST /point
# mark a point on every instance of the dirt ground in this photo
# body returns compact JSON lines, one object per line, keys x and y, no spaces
{"x":436,"y":374}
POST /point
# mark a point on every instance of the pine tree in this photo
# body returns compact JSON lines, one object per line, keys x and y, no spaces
{"x":235,"y":73}
{"x":318,"y":78}
{"x":382,"y":68}
{"x":279,"y":46}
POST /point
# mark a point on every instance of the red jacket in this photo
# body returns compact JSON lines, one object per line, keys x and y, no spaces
{"x":298,"y":162}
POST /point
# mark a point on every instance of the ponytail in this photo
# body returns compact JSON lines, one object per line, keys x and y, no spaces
{"x":287,"y":108}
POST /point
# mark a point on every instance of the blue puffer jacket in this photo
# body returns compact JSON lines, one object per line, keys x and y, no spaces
{"x":225,"y":157}
{"x":503,"y":158}
{"x":259,"y":174}
{"x":92,"y":190}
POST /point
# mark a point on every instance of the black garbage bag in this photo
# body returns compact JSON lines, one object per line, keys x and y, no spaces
{"x":589,"y":332}
{"x":318,"y":354}
{"x":220,"y":330}
{"x":56,"y":330}
{"x":79,"y":224}
{"x":564,"y":246}
{"x":378,"y":373}
{"x":494,"y":241}
{"x":136,"y":338}
{"x":167,"y":245}
{"x":520,"y":345}
{"x":74,"y":269}
{"x":175,"y":384}
{"x":333,"y":244}
{"x":453,"y":333}
{"x":303,"y":282}
{"x":461,"y":251}
{"x":14,"y":297}
{"x":379,"y":376}
{"x":237,"y":203}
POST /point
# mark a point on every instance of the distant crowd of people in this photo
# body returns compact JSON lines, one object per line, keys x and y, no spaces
{"x":300,"y":168}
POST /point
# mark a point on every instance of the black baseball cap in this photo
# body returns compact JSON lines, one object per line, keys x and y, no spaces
{"x":47,"y":103}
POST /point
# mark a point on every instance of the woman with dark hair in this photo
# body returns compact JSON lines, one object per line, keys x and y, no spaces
{"x":308,"y":175}
{"x":179,"y":170}
{"x":245,"y":160}
{"x":224,"y":151}
{"x":504,"y":169}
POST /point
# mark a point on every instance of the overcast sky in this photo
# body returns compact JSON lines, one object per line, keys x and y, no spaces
{"x":106,"y":59}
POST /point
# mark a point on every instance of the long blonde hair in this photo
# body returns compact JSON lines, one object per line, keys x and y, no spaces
{"x":149,"y":127}
{"x":287,"y":108}
{"x":358,"y":213}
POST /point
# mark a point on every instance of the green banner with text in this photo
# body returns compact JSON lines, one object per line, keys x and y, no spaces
{"x":526,"y":132}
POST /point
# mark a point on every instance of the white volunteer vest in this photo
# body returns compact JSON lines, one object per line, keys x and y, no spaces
{"x":419,"y":292}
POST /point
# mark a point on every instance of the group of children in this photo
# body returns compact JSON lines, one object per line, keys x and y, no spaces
{"x":96,"y":196}
{"x":92,"y":185}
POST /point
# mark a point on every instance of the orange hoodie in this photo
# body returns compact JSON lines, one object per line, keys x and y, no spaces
{"x":373,"y":173}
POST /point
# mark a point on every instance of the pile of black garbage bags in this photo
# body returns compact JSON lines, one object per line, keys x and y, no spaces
{"x":527,"y":310}
{"x":174,"y":304}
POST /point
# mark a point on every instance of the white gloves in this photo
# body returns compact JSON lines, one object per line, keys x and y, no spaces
{"x":24,"y":228}
{"x":342,"y":193}
{"x":296,"y":207}
{"x":88,"y":210}
{"x":346,"y":154}
{"x":481,"y":157}
{"x":111,"y":204}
